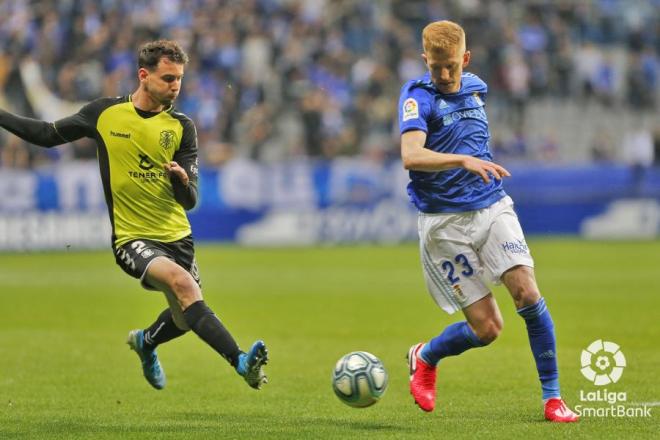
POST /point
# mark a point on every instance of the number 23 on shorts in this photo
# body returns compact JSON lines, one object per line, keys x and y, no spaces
{"x":451,"y":271}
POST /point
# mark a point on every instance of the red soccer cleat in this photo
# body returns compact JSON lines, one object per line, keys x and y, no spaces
{"x":557,"y":411}
{"x":422,"y":379}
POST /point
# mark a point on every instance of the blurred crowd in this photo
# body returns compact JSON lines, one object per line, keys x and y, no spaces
{"x":276,"y":79}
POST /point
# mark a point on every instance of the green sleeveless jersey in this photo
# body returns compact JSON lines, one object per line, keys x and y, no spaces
{"x":133,"y":146}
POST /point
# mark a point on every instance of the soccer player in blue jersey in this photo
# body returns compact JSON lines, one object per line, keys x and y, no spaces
{"x":469,"y":232}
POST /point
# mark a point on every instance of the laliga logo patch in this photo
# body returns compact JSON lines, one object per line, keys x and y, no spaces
{"x":410,"y":109}
{"x":602,"y":362}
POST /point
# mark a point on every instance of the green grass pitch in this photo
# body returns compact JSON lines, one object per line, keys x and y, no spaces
{"x":65,"y":371}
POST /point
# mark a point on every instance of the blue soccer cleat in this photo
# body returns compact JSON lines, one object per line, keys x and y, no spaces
{"x":151,"y":368}
{"x":250,"y":363}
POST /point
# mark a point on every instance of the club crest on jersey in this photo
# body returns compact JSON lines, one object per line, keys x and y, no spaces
{"x":167,"y":139}
{"x":477,"y":99}
{"x":410,"y":109}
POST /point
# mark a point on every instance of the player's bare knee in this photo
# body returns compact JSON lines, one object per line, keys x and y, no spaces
{"x":186,"y":290}
{"x":526,"y":295}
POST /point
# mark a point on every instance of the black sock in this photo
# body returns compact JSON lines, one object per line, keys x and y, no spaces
{"x":208,"y":327}
{"x":161,"y":331}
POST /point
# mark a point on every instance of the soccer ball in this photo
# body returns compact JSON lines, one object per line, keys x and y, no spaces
{"x":359,"y":379}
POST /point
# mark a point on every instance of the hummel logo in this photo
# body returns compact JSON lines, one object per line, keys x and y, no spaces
{"x":121,"y":135}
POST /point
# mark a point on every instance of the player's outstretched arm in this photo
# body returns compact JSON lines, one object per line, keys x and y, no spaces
{"x":416,"y":157}
{"x":36,"y":132}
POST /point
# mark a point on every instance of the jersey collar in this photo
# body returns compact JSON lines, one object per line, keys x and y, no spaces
{"x":426,"y":81}
{"x":150,"y":114}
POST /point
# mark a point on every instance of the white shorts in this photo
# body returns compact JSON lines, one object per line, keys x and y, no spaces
{"x":462,"y":252}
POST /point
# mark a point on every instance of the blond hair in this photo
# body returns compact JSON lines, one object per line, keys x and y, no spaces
{"x":442,"y":36}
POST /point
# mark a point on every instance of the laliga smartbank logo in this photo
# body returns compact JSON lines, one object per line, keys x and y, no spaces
{"x":602,"y":364}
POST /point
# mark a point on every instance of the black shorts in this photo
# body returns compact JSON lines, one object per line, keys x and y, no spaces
{"x":135,"y":256}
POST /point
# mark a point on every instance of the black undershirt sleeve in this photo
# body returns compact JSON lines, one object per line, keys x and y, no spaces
{"x":50,"y":134}
{"x":34,"y":131}
{"x":186,"y":157}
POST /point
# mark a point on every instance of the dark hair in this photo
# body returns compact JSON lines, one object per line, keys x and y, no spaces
{"x":150,"y":53}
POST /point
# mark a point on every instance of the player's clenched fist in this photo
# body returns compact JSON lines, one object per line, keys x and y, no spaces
{"x":174,"y":169}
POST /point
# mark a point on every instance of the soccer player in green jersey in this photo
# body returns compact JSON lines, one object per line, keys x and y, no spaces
{"x":148,"y":161}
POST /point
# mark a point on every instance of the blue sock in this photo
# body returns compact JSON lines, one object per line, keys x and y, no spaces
{"x":541,"y":331}
{"x":454,"y":340}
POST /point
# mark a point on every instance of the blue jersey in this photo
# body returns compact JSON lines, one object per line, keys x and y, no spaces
{"x":454,"y":123}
